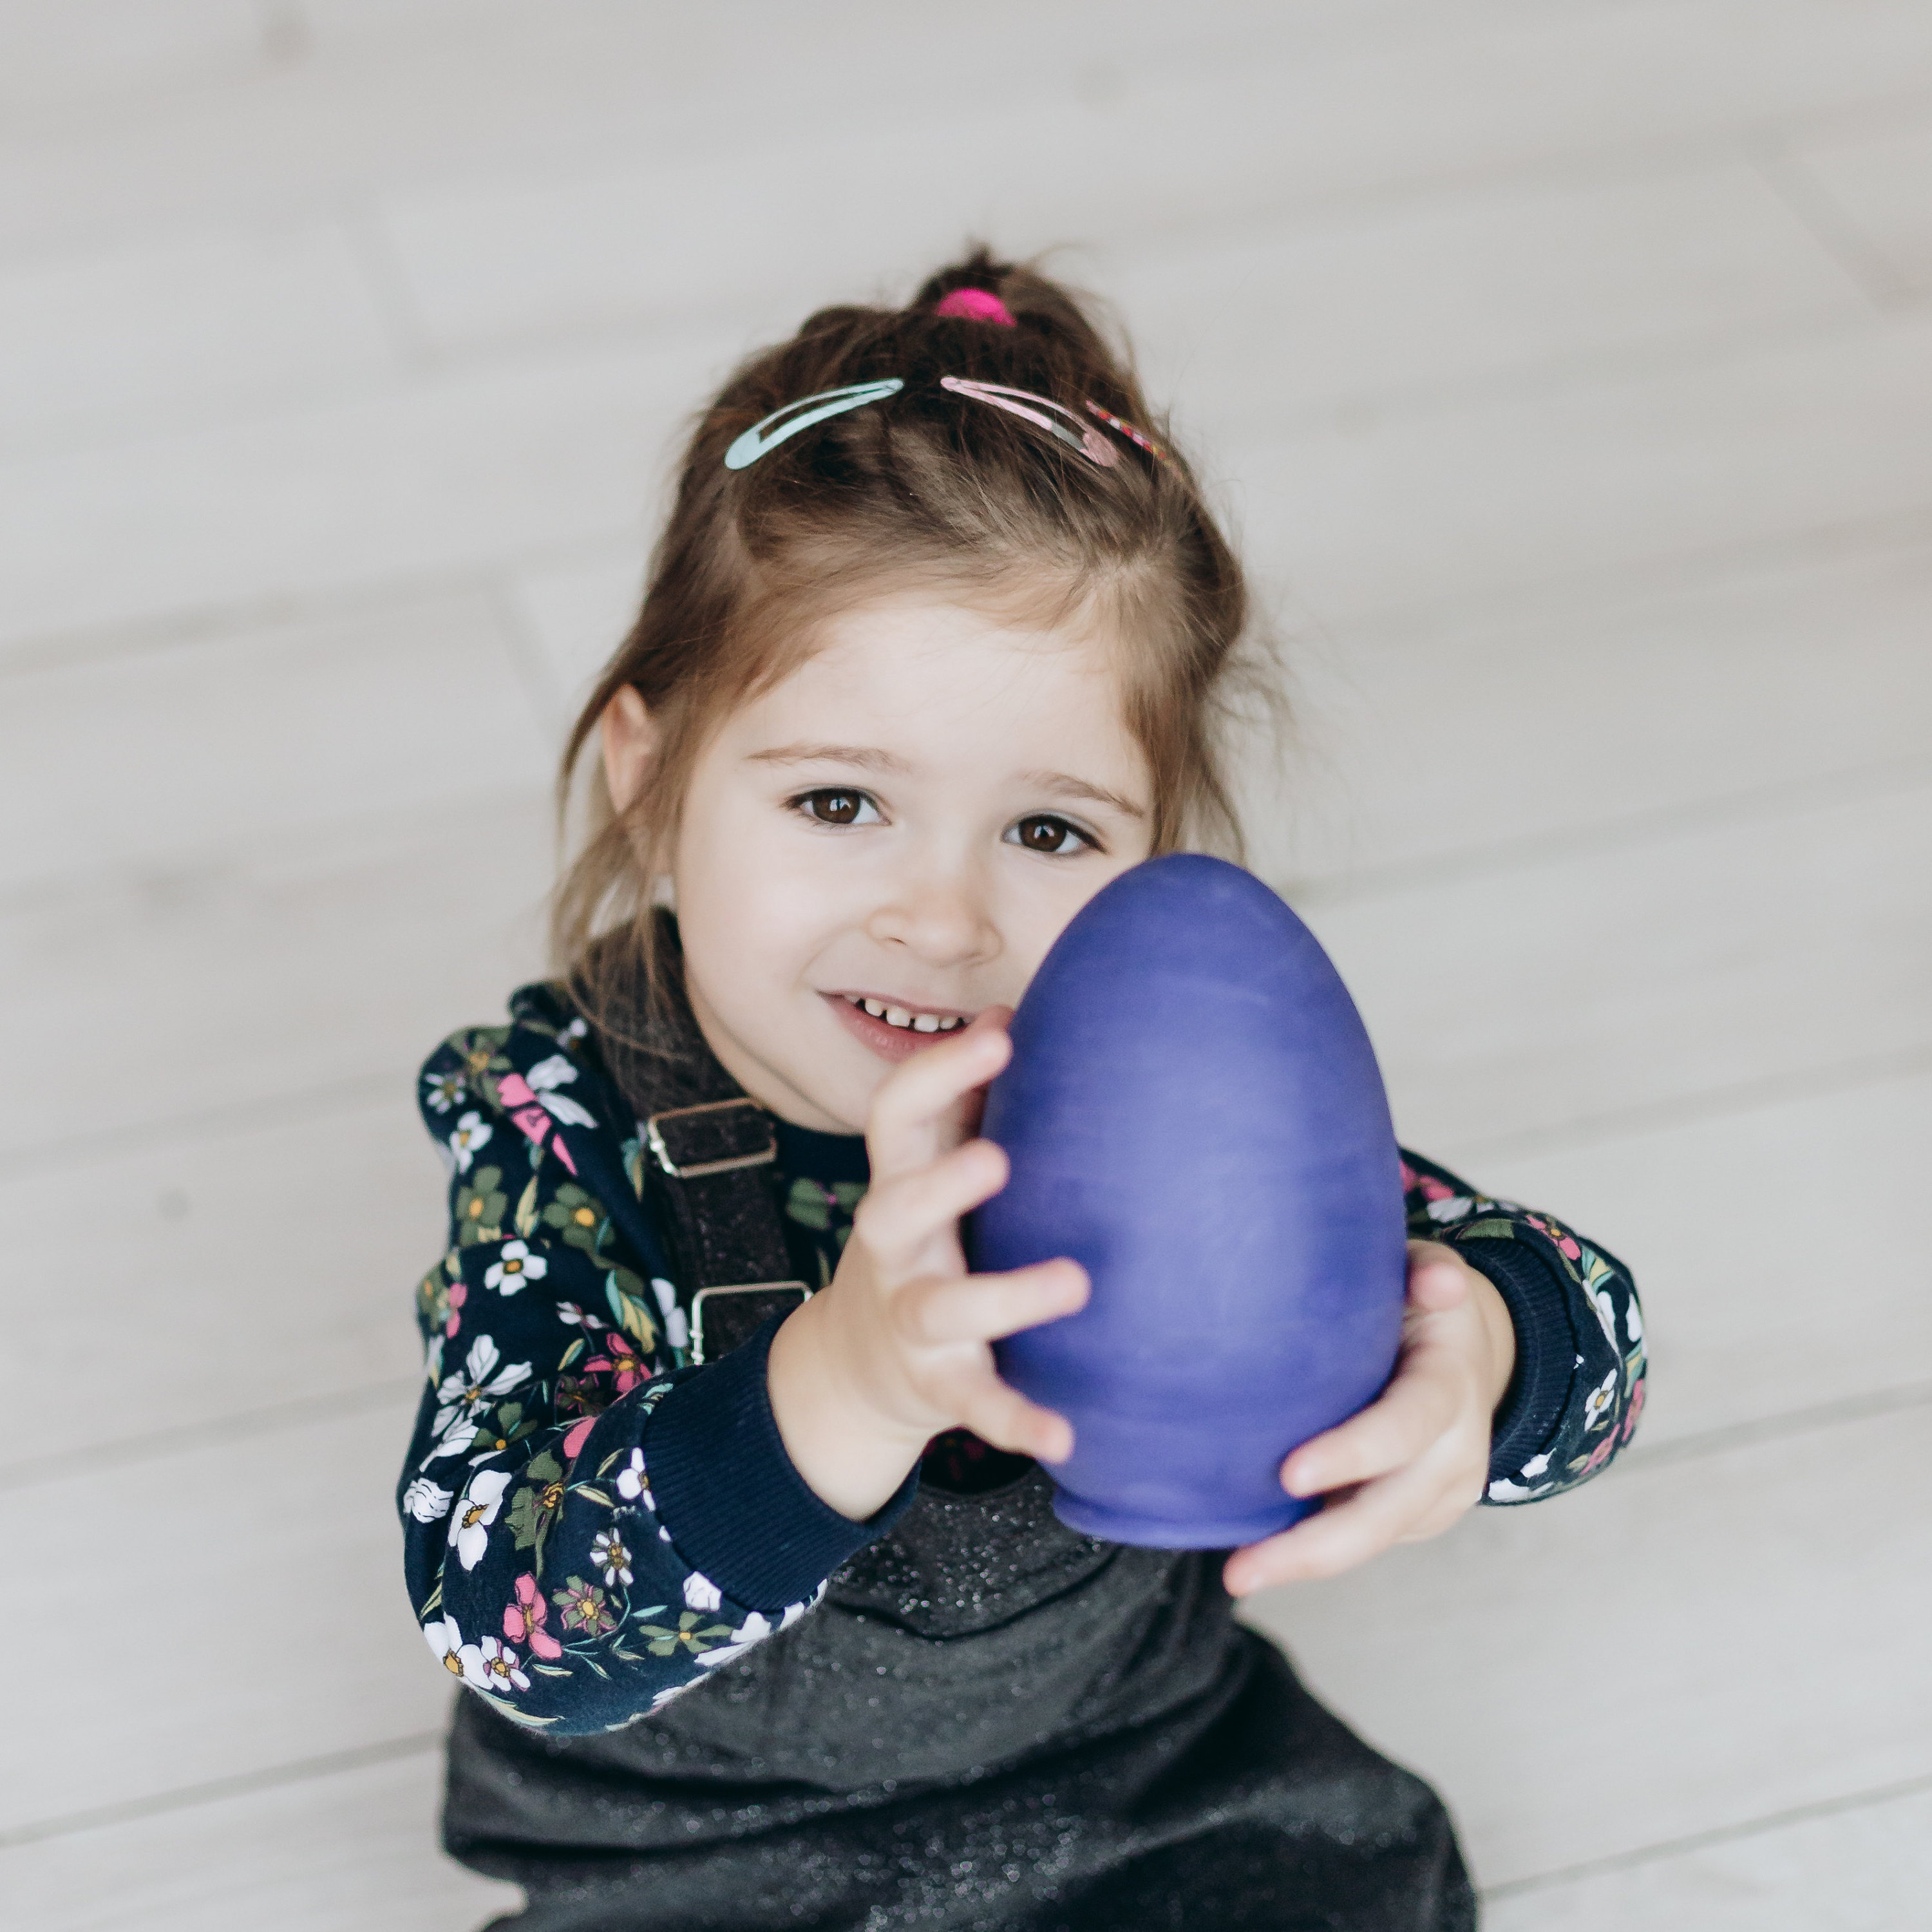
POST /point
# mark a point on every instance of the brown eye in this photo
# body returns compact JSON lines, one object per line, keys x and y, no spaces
{"x":837,"y":808}
{"x":1051,"y":836}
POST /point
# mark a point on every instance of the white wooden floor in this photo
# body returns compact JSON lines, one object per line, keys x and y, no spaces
{"x":1568,"y":364}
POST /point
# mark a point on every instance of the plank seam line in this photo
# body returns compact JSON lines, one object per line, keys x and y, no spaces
{"x":1770,"y":1428}
{"x":1753,"y":806}
{"x":301,"y":1770}
{"x":1724,"y":1834}
{"x":85,"y":1459}
{"x":1716,"y":1103}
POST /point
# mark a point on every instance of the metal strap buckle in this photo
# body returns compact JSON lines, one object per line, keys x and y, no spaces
{"x":712,"y":1112}
{"x":705,"y":1295}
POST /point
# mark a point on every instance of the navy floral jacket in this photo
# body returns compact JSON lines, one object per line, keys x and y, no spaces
{"x":591,"y":1522}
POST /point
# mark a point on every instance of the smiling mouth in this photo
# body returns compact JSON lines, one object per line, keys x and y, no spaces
{"x":903,"y":1018}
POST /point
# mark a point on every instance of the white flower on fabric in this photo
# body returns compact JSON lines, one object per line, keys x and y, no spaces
{"x":545,"y":1077}
{"x":432,"y":1359}
{"x":460,"y":1659}
{"x":632,"y":1484}
{"x":700,"y":1593}
{"x":1504,"y":1491}
{"x":500,"y":1665}
{"x":1606,"y":1314}
{"x":670,"y":1691}
{"x":442,"y":1091}
{"x":469,"y":1526}
{"x":473,"y":1387}
{"x":754,"y":1629}
{"x":1535,"y":1467}
{"x":793,"y":1612}
{"x":458,"y":1440}
{"x":1633,"y":1321}
{"x":1451,"y":1207}
{"x":471,"y":1132}
{"x":607,"y":1552}
{"x":574,"y":1317}
{"x":426,"y":1502}
{"x":575,"y":1030}
{"x":516,"y":1266}
{"x":1598,"y":1403}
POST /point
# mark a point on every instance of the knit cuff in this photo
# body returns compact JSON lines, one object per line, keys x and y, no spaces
{"x":1545,"y":1349}
{"x":737,"y":1509}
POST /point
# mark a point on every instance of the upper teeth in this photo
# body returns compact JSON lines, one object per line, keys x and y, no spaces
{"x":899,"y":1016}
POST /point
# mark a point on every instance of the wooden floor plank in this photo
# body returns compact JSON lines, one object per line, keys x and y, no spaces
{"x":229,"y":1611}
{"x":1865,"y":1869}
{"x":1589,"y":984}
{"x":1670,"y":1650}
{"x":311,"y":721}
{"x":342,"y":1852}
{"x":1781,"y":1250}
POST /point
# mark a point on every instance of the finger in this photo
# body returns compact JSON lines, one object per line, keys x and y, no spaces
{"x":983,"y":1307}
{"x":1416,"y":1409}
{"x":997,"y":1413}
{"x":903,"y":1130}
{"x":1437,"y":1279}
{"x":1343,"y":1534}
{"x":898,"y":1217}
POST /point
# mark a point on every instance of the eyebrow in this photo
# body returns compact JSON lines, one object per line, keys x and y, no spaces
{"x":865,"y":756}
{"x":869,"y":758}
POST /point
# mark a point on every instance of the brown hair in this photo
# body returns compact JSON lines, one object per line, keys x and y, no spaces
{"x":925,"y":486}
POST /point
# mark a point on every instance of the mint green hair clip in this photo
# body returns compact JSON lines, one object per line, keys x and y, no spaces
{"x":762,"y":437}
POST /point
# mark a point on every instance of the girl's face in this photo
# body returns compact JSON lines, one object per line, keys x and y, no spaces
{"x":889,"y":840}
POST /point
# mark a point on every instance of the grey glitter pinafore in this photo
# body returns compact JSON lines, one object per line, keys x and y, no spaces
{"x":990,"y":1723}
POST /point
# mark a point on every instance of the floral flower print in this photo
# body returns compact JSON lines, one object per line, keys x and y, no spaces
{"x":584,"y":1608}
{"x":578,"y":1216}
{"x":480,"y":1207}
{"x":546,"y":1078}
{"x":472,"y":1134}
{"x":632,"y":1484}
{"x":754,"y":1629}
{"x":535,"y":1506}
{"x":426,"y":1502}
{"x":460,"y":1659}
{"x":502,"y":1430}
{"x":469,"y":1525}
{"x":443,"y":1090}
{"x":700,"y":1593}
{"x":1564,"y":1239}
{"x":573,"y":1316}
{"x":1601,"y":1402}
{"x":465,"y":1394}
{"x":500,"y":1665}
{"x":608,"y":1553}
{"x":459,"y":1293}
{"x":621,"y":1360}
{"x":516,"y":1266}
{"x":692,"y":1632}
{"x":524,"y":1619}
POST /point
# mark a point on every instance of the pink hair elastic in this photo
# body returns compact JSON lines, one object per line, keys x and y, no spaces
{"x":976,"y":305}
{"x":1090,"y":443}
{"x":1127,"y":429}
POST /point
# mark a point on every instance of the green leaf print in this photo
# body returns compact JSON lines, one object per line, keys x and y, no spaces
{"x":628,"y":1310}
{"x":526,"y":1210}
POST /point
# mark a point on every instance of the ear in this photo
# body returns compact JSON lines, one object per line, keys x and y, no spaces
{"x":629,"y":736}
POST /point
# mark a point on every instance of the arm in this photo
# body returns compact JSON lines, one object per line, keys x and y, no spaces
{"x":588,"y":1526}
{"x":1578,"y":1388}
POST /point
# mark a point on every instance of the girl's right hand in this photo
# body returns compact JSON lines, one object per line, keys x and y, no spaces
{"x":898,"y":1347}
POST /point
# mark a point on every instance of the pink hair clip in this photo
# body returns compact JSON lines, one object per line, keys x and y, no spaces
{"x":1127,"y":429}
{"x":1090,"y":443}
{"x":976,"y":305}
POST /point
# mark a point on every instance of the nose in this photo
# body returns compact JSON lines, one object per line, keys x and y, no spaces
{"x":943,"y":915}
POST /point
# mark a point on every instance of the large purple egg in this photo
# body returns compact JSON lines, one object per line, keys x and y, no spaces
{"x":1194,"y":1113}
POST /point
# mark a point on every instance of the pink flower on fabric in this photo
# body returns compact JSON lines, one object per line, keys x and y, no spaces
{"x":1635,"y":1409}
{"x":628,"y":1366}
{"x":1433,"y":1189}
{"x":1566,"y":1243}
{"x":524,"y":1620}
{"x":573,"y":1441}
{"x":458,"y":1295}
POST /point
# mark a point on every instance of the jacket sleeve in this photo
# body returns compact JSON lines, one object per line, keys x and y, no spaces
{"x":1577,"y":1390}
{"x":590,"y":1523}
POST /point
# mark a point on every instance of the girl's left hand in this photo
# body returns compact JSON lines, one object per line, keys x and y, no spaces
{"x":1415,"y":1459}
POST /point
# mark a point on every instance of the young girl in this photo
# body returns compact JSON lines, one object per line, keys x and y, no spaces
{"x":765,"y":1618}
